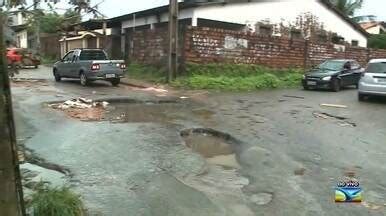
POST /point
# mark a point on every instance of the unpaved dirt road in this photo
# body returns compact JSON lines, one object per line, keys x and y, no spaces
{"x":260,"y":153}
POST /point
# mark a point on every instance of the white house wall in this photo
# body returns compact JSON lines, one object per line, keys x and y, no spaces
{"x":184,"y":14}
{"x":277,"y":11}
{"x":22,"y":39}
{"x":374,"y":30}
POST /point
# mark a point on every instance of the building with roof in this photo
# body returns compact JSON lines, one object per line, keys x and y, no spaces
{"x":374,"y":27}
{"x":239,"y":15}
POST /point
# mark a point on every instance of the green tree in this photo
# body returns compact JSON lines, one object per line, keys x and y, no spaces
{"x":377,"y":41}
{"x":347,"y":7}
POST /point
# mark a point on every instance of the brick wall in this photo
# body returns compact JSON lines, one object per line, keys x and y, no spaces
{"x":210,"y":45}
{"x":149,"y":46}
{"x":49,"y":45}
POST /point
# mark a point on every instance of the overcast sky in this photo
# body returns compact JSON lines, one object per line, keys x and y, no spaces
{"x":112,"y":8}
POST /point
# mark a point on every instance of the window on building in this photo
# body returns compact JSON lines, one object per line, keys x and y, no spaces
{"x":296,"y":34}
{"x":355,"y":43}
{"x":322,"y":37}
{"x":265,"y":30}
{"x":336,"y":39}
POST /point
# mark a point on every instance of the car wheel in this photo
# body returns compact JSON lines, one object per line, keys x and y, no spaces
{"x":361,"y":97}
{"x":36,"y":66}
{"x":336,"y":85}
{"x":83,"y":79}
{"x":305,"y":87}
{"x":58,"y":78}
{"x":115,"y":82}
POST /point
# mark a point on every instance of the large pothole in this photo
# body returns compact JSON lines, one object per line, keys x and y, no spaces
{"x":218,"y":148}
{"x":120,"y":110}
{"x":143,"y":112}
{"x":222,"y":181}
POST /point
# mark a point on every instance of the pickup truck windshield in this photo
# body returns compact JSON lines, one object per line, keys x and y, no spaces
{"x":92,"y":55}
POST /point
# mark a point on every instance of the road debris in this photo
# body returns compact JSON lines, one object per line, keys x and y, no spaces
{"x":300,"y":172}
{"x":333,"y":105}
{"x":371,"y":206}
{"x":294,"y":96}
{"x":82,"y":108}
{"x":159,"y":90}
{"x":342,"y":121}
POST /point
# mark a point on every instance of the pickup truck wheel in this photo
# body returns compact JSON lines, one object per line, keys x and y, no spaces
{"x":58,"y":78}
{"x":83,"y":79}
{"x":115,"y":82}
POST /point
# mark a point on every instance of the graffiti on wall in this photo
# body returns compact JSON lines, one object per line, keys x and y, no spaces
{"x":235,"y":43}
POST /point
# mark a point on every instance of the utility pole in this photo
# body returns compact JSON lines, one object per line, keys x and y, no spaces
{"x":37,"y":15}
{"x":11,"y":194}
{"x":173,"y":40}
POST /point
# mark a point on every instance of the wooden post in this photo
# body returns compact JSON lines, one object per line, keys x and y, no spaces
{"x":173,"y":40}
{"x":11,"y":194}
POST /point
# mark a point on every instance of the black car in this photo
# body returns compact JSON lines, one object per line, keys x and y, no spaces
{"x":333,"y":74}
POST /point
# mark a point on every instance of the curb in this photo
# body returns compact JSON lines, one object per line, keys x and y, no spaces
{"x":134,"y":83}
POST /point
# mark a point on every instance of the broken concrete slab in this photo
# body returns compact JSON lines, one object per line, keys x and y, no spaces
{"x":33,"y":175}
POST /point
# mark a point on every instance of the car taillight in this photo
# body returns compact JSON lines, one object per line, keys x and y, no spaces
{"x":95,"y":67}
{"x":122,"y":66}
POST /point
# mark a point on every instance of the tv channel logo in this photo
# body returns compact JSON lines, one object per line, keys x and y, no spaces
{"x":348,"y":191}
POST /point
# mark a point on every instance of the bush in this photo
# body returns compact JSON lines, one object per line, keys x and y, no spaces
{"x":377,"y":41}
{"x":237,"y":77}
{"x":55,"y":202}
{"x":146,"y":72}
{"x":48,"y":60}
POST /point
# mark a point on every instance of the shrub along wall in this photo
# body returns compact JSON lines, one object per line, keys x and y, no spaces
{"x":209,"y":45}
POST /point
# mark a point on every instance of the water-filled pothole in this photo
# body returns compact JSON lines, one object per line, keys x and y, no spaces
{"x":218,"y":148}
{"x":143,"y":112}
{"x":120,"y":110}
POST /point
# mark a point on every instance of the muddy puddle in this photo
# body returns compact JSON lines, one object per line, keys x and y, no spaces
{"x":216,"y":147}
{"x":143,"y":112}
{"x":131,"y":111}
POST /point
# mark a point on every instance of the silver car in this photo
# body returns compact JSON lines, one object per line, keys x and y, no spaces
{"x":373,"y":81}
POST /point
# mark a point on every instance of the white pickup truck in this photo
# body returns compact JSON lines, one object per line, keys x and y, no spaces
{"x":89,"y":65}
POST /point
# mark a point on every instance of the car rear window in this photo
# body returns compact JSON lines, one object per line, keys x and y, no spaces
{"x":92,"y":55}
{"x":379,"y":67}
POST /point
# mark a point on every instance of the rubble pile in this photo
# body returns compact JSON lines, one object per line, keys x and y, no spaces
{"x":82,"y":108}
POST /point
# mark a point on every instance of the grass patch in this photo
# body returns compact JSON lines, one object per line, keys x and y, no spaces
{"x":48,"y":60}
{"x":146,"y":72}
{"x":233,"y":77}
{"x":48,"y":201}
{"x":238,"y":77}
